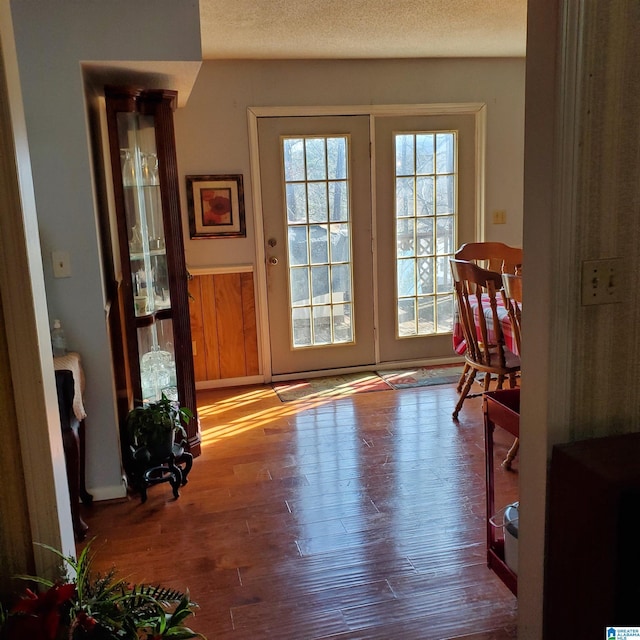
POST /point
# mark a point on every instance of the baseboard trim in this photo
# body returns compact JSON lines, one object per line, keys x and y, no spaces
{"x":229,"y":382}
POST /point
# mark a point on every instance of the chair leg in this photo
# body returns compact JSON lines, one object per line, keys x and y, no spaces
{"x":511,"y":454}
{"x":463,"y":375}
{"x":465,"y":390}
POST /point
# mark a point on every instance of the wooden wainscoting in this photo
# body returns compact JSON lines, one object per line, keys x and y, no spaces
{"x":223,"y":326}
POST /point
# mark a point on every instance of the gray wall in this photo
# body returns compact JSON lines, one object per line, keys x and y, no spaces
{"x":52,"y":38}
{"x":212,"y":128}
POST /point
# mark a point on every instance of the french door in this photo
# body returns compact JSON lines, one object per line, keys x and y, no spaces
{"x":425,"y":208}
{"x":358,"y":235}
{"x":316,"y":194}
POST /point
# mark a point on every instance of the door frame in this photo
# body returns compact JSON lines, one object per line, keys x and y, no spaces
{"x":476,"y":109}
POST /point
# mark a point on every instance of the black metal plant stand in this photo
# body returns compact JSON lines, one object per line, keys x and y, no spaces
{"x":173,"y":469}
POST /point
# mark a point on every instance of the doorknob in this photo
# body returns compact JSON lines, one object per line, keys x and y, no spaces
{"x":272,"y":242}
{"x":273,"y":260}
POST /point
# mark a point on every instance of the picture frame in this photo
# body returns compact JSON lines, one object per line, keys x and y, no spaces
{"x":216,"y":206}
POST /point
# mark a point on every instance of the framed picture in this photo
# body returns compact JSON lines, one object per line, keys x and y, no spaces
{"x":216,"y":206}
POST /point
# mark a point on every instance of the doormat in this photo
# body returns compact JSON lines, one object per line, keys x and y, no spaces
{"x":350,"y":383}
{"x":422,"y":376}
{"x":330,"y":386}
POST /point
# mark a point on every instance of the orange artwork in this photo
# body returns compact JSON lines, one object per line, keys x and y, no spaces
{"x":216,"y":207}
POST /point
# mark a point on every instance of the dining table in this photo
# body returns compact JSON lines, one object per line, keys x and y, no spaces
{"x":459,"y":342}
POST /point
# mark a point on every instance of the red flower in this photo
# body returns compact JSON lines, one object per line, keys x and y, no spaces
{"x":85,"y":621}
{"x":218,"y":212}
{"x":39,"y":615}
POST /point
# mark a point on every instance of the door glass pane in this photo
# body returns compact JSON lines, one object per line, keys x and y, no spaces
{"x":426,"y":217}
{"x":319,"y":232}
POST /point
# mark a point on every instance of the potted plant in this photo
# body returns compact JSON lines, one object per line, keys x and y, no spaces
{"x":82,"y":604}
{"x":152,"y":428}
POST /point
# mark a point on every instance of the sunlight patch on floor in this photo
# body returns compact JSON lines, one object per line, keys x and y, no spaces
{"x":217,"y":424}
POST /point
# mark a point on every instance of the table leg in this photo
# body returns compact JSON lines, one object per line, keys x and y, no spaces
{"x":85,"y":496}
{"x":71,"y":447}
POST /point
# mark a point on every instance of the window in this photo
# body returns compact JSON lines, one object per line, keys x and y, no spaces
{"x":425,"y":217}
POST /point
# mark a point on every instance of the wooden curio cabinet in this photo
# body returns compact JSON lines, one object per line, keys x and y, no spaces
{"x":153,"y":297}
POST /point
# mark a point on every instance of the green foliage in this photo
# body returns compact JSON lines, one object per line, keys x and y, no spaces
{"x":97,"y":607}
{"x":149,"y":424}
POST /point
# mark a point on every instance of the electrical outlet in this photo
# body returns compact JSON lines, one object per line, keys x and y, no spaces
{"x":500,"y":216}
{"x":601,"y":281}
{"x":61,"y":264}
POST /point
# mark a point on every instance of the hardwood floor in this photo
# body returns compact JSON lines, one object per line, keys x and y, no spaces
{"x":361,"y":517}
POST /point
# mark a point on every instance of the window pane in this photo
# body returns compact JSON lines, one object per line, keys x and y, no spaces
{"x":299,"y":287}
{"x":404,"y":197}
{"x":443,"y":275}
{"x":406,"y":277}
{"x":317,"y":195}
{"x":425,"y":236}
{"x":405,"y":237}
{"x":424,"y":196}
{"x":444,"y":153}
{"x":293,"y":149}
{"x":338,"y":202}
{"x":322,"y":325}
{"x":341,"y":283}
{"x":342,"y":323}
{"x":426,"y":317}
{"x":319,"y":244}
{"x":301,"y":321}
{"x":405,"y":156}
{"x":340,"y":243}
{"x":445,"y":195}
{"x":296,"y":197}
{"x":445,"y":313}
{"x":407,"y":317}
{"x":316,"y":160}
{"x":445,"y":227}
{"x":425,"y":275}
{"x":337,"y":158}
{"x":320,"y":285}
{"x":424,"y":154}
{"x":298,"y":246}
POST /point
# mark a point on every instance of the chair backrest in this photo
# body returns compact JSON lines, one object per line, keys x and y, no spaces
{"x":512,"y":293}
{"x":494,"y":256}
{"x":476,"y":291}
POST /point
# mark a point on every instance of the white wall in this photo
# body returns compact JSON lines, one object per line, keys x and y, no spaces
{"x":211,"y":130}
{"x":52,"y":38}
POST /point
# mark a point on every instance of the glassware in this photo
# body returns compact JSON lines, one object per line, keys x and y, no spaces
{"x":128,"y":168}
{"x":150,"y":169}
{"x":157,"y":372}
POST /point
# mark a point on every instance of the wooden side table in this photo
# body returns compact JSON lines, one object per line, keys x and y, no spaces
{"x":73,"y":416}
{"x":501,"y":409}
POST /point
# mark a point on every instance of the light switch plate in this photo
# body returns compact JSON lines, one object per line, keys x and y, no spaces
{"x":601,"y":281}
{"x":499,"y":216}
{"x":61,"y":264}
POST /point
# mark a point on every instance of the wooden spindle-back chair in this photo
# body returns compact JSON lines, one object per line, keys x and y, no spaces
{"x":494,"y":256}
{"x":476,"y":292}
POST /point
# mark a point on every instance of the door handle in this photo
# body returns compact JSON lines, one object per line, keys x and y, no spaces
{"x":273,"y":260}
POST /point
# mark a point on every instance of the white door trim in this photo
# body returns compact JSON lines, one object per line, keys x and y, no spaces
{"x":477,"y":109}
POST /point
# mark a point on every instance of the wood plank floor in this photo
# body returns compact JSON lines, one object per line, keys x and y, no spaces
{"x":361,"y":517}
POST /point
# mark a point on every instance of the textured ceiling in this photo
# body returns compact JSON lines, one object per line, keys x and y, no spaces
{"x":279,"y":29}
